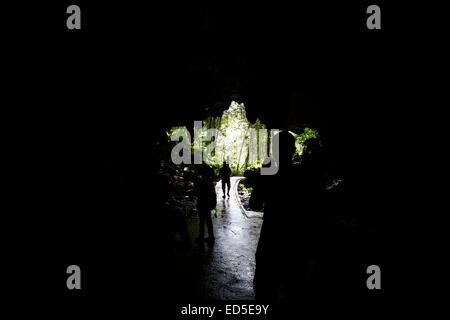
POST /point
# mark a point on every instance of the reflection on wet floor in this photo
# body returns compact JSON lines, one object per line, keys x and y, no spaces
{"x":226,"y":267}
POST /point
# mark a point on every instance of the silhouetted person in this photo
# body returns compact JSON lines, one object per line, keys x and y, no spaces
{"x":285,"y":253}
{"x":206,"y":200}
{"x":225,"y":173}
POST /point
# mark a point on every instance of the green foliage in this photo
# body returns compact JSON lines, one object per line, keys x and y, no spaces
{"x":301,"y":138}
{"x":232,"y":141}
{"x":256,"y":165}
{"x":171,"y":130}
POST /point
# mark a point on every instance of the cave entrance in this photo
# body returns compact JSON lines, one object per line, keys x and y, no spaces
{"x":235,"y":137}
{"x":236,"y":227}
{"x":242,"y":144}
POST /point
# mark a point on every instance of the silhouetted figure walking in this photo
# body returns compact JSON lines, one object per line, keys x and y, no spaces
{"x":206,"y":200}
{"x":225,"y":173}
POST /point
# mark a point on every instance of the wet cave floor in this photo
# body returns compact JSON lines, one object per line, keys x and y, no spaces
{"x":222,"y":270}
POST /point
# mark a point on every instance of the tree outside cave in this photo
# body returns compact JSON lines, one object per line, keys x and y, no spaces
{"x":233,"y":135}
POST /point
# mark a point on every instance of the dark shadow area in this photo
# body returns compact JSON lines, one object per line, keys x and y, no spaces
{"x":98,"y":187}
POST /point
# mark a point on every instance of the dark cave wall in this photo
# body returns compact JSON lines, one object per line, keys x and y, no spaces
{"x":95,"y":119}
